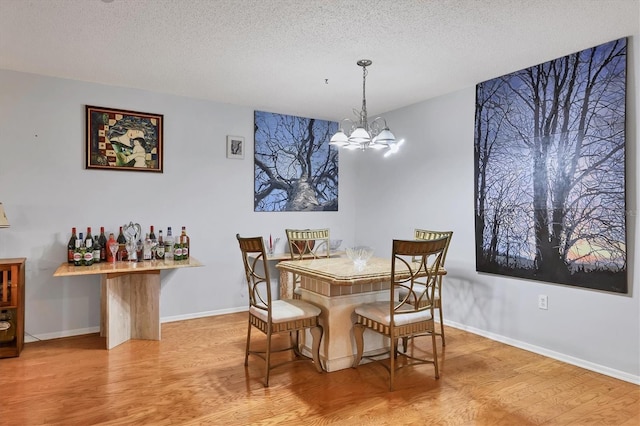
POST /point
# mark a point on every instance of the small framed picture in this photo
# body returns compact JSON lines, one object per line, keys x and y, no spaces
{"x":235,"y":147}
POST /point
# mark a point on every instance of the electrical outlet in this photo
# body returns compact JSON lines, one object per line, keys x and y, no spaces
{"x":542,"y":302}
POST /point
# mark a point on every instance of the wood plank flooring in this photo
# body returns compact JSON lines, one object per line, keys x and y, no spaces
{"x":196,"y":376}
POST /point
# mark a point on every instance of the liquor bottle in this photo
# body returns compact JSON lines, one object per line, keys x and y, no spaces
{"x":184,"y":242}
{"x":122,"y":249}
{"x":71,"y":246}
{"x":96,"y":250}
{"x":88,"y":252}
{"x":152,"y":235}
{"x":177,"y":250}
{"x":78,"y":253}
{"x":146,"y":247}
{"x":112,"y":239}
{"x":102,"y":239}
{"x":160,"y":248}
{"x":168,"y":245}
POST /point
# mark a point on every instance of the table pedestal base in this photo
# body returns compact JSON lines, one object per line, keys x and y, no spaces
{"x":130,"y":307}
{"x":338,"y":348}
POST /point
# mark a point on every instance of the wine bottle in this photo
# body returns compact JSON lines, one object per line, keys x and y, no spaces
{"x":71,"y":246}
{"x":88,"y":252}
{"x":122,"y":249}
{"x":102,"y":239}
{"x":152,"y":235}
{"x":78,"y":255}
{"x":160,"y":248}
{"x":184,"y":242}
{"x":168,"y":245}
{"x":96,"y":250}
{"x":88,"y":237}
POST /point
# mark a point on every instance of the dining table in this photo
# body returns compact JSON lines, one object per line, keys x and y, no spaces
{"x":337,"y":286}
{"x":286,"y":283}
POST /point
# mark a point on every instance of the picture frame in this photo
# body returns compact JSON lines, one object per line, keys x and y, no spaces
{"x":118,"y":139}
{"x":235,"y":147}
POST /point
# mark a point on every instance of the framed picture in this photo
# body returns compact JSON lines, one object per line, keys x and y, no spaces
{"x":123,"y":140}
{"x":235,"y":147}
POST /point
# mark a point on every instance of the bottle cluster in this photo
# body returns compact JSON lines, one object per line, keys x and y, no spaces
{"x":86,"y":250}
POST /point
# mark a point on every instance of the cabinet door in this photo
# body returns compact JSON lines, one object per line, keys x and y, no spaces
{"x":8,"y":286}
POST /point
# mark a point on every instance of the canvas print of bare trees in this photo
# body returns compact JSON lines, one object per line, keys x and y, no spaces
{"x":550,"y":171}
{"x":295,"y":167}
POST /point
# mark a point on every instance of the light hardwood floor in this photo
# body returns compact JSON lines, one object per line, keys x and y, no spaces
{"x":195,"y":375}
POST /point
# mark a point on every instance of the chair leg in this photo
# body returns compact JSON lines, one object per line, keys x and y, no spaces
{"x":392,"y":362}
{"x":246,"y":352}
{"x":441,"y":324}
{"x":358,"y":333}
{"x":435,"y":354}
{"x":267,"y":360}
{"x":405,"y":343}
{"x":316,"y":333}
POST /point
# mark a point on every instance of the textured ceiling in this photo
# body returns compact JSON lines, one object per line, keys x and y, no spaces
{"x":299,"y":56}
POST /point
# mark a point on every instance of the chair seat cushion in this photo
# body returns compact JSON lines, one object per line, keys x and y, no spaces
{"x":287,"y":310}
{"x":379,"y":312}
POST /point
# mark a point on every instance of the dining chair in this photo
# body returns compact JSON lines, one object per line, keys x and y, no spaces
{"x":306,"y":244}
{"x":275,"y":316}
{"x":424,"y":234}
{"x":413,"y":263}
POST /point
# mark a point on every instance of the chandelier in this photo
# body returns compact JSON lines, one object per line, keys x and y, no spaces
{"x":364,"y":135}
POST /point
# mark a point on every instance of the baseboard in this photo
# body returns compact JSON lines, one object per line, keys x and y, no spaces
{"x":29,"y":338}
{"x":203,"y":314}
{"x":578,"y":362}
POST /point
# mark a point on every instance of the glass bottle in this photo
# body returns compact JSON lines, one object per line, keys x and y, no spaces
{"x":184,"y":242}
{"x":168,"y":245}
{"x":88,"y":252}
{"x":152,"y":235}
{"x":71,"y":246}
{"x":177,"y":250}
{"x":146,"y":247}
{"x":160,"y":248}
{"x":122,"y":249}
{"x":78,"y":255}
{"x":96,"y":250}
{"x":112,"y":239}
{"x":102,"y":239}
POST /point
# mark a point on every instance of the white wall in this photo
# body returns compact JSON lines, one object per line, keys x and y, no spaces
{"x":46,"y":190}
{"x":430,"y":184}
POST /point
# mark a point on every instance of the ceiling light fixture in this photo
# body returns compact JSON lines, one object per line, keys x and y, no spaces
{"x":362,"y":134}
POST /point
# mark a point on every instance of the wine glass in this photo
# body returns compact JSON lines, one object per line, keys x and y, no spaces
{"x":113,"y":247}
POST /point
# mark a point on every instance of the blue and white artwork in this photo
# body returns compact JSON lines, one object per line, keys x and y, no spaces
{"x":295,"y":167}
{"x":550,"y":171}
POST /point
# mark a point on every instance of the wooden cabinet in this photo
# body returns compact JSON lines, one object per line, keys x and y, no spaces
{"x":11,"y":307}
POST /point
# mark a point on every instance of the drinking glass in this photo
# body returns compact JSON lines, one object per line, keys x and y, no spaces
{"x":113,"y":247}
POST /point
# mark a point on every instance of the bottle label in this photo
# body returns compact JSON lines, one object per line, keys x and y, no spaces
{"x":88,"y":257}
{"x":185,"y":252}
{"x":96,"y":255}
{"x":177,"y":252}
{"x":160,"y":252}
{"x":77,"y":257}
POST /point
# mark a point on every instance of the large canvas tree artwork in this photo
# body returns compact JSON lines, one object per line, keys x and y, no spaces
{"x":295,"y":167}
{"x":550,"y":171}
